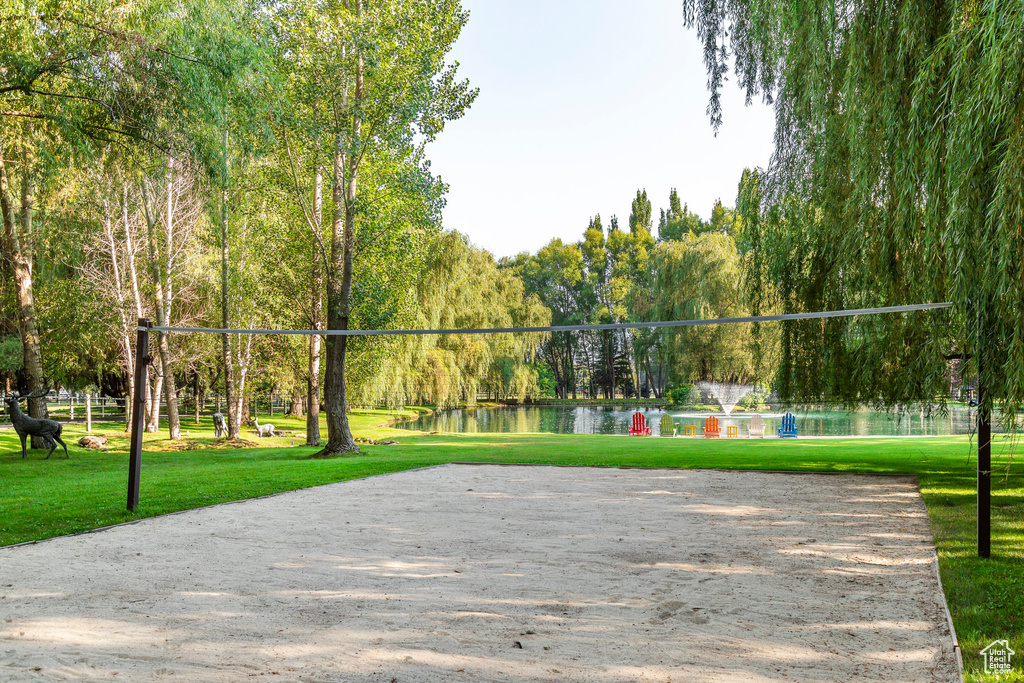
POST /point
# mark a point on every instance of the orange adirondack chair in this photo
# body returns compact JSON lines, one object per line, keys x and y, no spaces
{"x":711,"y":428}
{"x":639,"y":427}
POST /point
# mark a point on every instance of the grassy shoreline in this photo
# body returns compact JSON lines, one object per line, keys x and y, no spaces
{"x":40,"y":499}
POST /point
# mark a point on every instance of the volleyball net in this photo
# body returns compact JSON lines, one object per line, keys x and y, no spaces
{"x":144,"y":328}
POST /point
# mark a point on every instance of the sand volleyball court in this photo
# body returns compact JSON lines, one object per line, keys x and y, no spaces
{"x":492,"y":573}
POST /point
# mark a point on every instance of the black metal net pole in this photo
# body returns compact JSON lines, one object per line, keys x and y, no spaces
{"x":984,"y":475}
{"x":142,"y":359}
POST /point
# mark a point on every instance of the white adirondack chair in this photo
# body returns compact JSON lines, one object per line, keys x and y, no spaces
{"x":756,"y":427}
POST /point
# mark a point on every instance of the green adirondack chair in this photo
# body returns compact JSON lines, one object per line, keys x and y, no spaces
{"x":668,"y":427}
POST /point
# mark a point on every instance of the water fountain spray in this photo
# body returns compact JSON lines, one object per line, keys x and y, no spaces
{"x":726,"y":393}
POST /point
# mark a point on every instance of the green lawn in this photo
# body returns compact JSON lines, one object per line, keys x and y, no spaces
{"x":39,"y":498}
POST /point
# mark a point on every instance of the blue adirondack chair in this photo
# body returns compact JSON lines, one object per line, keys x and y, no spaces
{"x":788,"y":429}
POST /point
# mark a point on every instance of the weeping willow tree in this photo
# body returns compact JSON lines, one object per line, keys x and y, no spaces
{"x":898,"y":177}
{"x":462,"y":287}
{"x":699,"y":276}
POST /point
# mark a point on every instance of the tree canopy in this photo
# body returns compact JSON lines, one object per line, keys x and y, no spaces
{"x":141,"y":143}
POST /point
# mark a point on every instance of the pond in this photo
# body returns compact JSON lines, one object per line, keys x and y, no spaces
{"x":616,"y":420}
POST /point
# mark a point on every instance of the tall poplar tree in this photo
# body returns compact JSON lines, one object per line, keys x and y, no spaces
{"x":373,"y":77}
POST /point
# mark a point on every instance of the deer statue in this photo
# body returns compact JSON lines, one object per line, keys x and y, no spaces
{"x":264,"y":430}
{"x":219,"y":428}
{"x":25,"y":426}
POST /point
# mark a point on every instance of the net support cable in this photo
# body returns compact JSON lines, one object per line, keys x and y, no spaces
{"x":572,"y":328}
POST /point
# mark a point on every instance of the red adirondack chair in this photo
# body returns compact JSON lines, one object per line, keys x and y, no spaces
{"x":639,"y":427}
{"x":711,"y":428}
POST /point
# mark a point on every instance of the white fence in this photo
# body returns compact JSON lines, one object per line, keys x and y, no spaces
{"x":74,"y":407}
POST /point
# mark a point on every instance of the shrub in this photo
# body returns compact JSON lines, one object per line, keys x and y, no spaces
{"x":680,"y":395}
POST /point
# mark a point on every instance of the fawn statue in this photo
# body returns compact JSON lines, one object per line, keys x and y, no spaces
{"x":264,"y":430}
{"x":219,"y":427}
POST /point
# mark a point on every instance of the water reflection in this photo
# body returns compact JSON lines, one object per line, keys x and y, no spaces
{"x":610,"y":420}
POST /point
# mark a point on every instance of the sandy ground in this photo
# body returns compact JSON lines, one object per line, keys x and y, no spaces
{"x":490,"y":573}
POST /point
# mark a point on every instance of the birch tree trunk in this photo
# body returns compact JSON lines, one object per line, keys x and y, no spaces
{"x":163,"y":296}
{"x":233,"y":407}
{"x":242,"y":358}
{"x":570,"y":358}
{"x":164,"y":311}
{"x":133,"y":278}
{"x":154,"y":391}
{"x":166,"y":369}
{"x":127,"y":351}
{"x":242,"y":353}
{"x":156,"y":371}
{"x":195,"y":394}
{"x":610,"y":363}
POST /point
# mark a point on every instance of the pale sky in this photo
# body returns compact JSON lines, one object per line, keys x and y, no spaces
{"x":582,"y":103}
